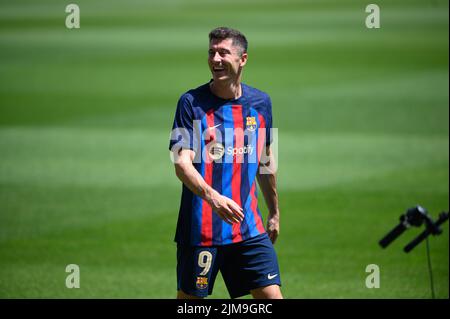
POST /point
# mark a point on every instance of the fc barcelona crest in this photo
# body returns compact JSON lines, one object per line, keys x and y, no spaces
{"x":251,"y":123}
{"x":202,"y":282}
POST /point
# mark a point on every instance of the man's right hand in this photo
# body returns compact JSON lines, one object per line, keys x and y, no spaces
{"x":227,"y":209}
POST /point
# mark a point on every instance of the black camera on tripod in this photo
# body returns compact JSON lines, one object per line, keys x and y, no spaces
{"x":415,"y":216}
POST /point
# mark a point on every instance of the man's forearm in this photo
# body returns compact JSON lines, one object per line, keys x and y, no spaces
{"x":267,"y":183}
{"x":228,"y":210}
{"x":190,"y":177}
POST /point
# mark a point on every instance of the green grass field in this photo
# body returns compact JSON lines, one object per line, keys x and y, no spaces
{"x":85,"y":118}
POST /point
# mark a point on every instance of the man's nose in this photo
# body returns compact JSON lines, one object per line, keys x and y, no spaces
{"x":216,"y":57}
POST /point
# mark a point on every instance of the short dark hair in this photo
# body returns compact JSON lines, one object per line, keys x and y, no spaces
{"x":222,"y":33}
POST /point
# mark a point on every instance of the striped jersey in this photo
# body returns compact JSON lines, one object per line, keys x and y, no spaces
{"x":228,"y":138}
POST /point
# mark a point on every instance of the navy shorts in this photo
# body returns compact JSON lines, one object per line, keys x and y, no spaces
{"x":244,"y":266}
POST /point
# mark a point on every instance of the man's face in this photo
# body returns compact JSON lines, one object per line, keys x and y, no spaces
{"x":225,"y":60}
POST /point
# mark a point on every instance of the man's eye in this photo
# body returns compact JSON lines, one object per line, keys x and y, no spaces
{"x":221,"y":53}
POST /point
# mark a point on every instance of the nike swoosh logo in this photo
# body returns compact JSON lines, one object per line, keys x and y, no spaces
{"x":214,"y":126}
{"x":269,"y":276}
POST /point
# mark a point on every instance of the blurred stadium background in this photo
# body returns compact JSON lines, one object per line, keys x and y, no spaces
{"x":85,"y":117}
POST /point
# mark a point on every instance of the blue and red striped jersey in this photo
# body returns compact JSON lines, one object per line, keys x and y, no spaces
{"x":228,"y":138}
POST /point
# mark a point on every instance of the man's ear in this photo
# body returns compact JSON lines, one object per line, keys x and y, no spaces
{"x":244,"y":59}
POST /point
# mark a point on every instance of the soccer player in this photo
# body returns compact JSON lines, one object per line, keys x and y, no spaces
{"x":221,"y":145}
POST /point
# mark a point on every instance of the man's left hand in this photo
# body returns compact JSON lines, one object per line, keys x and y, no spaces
{"x":273,"y":227}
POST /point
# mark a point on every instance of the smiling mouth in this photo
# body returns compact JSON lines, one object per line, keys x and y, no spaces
{"x":218,"y":69}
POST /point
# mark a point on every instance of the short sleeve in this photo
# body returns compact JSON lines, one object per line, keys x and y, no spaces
{"x":182,"y":129}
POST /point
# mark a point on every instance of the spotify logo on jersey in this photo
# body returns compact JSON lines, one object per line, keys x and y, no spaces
{"x":248,"y":149}
{"x":216,"y":150}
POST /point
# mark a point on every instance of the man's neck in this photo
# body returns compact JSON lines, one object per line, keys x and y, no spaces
{"x":227,"y":90}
